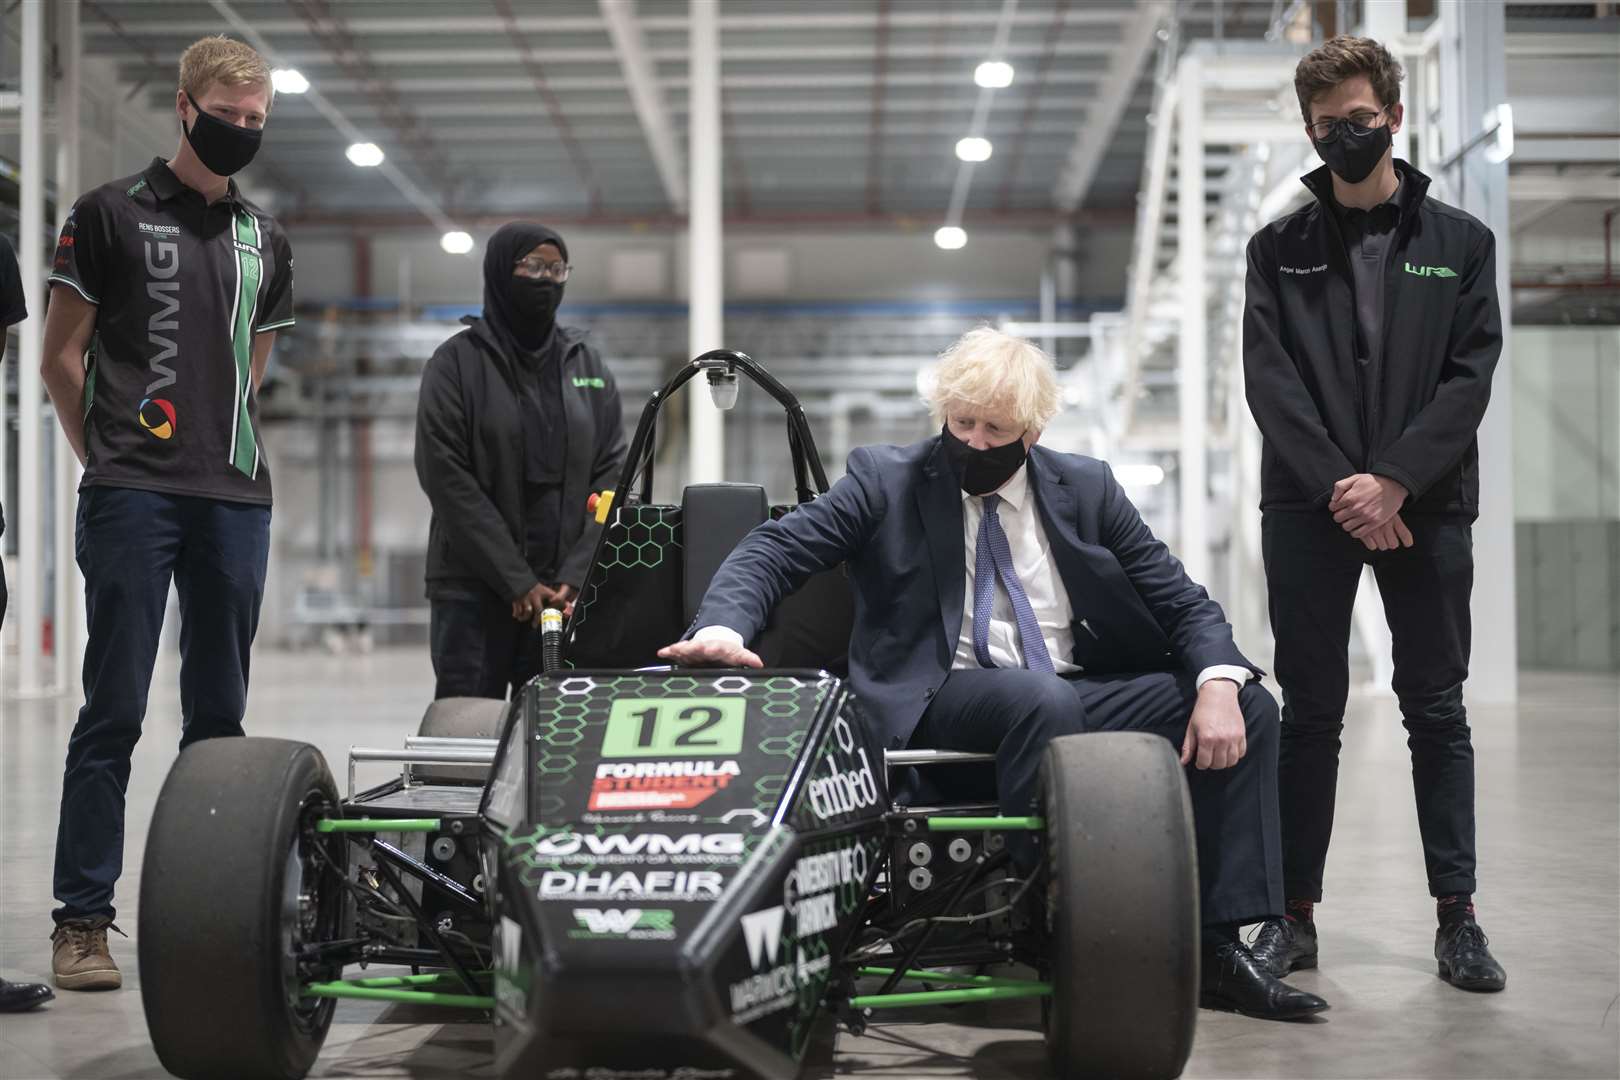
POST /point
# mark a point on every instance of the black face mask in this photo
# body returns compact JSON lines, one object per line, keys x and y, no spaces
{"x":982,"y":471}
{"x":223,"y":148}
{"x":534,"y":304}
{"x":1353,"y":153}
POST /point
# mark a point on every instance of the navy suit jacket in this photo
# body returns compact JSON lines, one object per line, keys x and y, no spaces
{"x":896,"y":519}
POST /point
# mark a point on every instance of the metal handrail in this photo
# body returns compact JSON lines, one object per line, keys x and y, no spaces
{"x":448,"y":742}
{"x":417,"y":757}
{"x":896,"y":758}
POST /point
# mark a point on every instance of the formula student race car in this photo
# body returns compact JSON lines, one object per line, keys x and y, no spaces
{"x":653,"y":874}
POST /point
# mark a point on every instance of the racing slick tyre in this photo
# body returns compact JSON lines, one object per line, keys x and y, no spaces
{"x":1122,"y":906}
{"x":461,"y":718}
{"x":234,"y":883}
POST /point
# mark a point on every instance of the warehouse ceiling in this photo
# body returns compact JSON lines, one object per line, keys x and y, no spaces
{"x":836,"y":110}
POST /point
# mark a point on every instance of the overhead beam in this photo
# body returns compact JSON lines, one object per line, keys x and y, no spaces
{"x":434,"y":26}
{"x":807,"y":54}
{"x":1032,"y":101}
{"x":1093,"y":138}
{"x":646,"y":96}
{"x":407,"y":187}
{"x":328,"y":27}
{"x":879,"y":94}
{"x":1021,"y":220}
{"x":999,"y":50}
{"x":1535,"y":187}
{"x":1076,"y":75}
{"x":530,"y":60}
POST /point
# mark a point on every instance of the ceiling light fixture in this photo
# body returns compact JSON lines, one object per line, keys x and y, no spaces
{"x":365,"y":154}
{"x":456,"y":242}
{"x":288,"y":81}
{"x":993,"y":75}
{"x":973,"y":148}
{"x":950,"y":237}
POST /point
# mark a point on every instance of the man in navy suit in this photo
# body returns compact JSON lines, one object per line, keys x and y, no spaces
{"x":1005,"y":595}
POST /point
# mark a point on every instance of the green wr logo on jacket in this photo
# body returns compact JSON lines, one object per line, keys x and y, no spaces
{"x":1431,"y":271}
{"x":590,"y":382}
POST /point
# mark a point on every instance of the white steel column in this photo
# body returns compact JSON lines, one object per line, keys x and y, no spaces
{"x":30,"y":396}
{"x":1473,"y":79}
{"x":67,"y":601}
{"x":1385,"y":21}
{"x":705,"y":281}
{"x":1193,"y":339}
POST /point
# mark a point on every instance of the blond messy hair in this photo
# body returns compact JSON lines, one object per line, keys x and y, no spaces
{"x":988,"y":369}
{"x":223,"y":60}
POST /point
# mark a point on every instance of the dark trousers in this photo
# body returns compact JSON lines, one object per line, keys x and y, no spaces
{"x":1312,"y":569}
{"x":130,"y":545}
{"x":1014,"y":713}
{"x":478,"y":649}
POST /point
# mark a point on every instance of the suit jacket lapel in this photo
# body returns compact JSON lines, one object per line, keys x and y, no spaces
{"x":939,"y":500}
{"x":1056,"y":503}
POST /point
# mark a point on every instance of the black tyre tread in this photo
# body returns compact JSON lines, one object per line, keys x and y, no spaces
{"x":461,"y":718}
{"x":209,"y":928}
{"x":1122,"y":863}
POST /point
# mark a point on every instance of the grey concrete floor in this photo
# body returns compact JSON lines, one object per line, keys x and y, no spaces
{"x":1549,"y":826}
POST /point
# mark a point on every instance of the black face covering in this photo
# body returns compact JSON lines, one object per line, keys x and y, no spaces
{"x":982,"y":471}
{"x":1353,"y":153}
{"x":222,"y":147}
{"x":522,"y":310}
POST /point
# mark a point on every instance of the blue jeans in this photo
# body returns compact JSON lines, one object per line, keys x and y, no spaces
{"x":130,"y":545}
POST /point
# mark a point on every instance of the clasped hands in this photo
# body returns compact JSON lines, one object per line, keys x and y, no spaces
{"x":1368,"y":508}
{"x":527,"y":608}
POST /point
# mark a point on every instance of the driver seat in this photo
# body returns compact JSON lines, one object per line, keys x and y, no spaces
{"x":655,"y":562}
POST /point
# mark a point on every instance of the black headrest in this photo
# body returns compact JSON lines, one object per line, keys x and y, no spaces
{"x":714,"y":517}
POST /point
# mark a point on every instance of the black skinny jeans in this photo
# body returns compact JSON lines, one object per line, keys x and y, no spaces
{"x":1312,"y":569}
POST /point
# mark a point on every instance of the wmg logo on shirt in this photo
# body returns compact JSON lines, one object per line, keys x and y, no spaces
{"x":1431,"y":271}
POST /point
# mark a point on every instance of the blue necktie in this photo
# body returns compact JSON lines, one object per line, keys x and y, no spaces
{"x":992,"y":559}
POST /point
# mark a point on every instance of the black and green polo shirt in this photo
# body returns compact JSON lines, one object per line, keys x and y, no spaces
{"x":181,"y":289}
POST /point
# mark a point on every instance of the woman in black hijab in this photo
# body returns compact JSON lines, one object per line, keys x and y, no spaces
{"x":517,"y":424}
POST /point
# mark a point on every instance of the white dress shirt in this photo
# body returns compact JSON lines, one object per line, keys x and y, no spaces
{"x":1037,"y":572}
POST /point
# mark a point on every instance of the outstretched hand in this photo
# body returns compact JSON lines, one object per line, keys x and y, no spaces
{"x":711,"y":653}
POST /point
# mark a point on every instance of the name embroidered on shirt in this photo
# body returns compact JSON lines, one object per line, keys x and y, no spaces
{"x":1301,"y":269}
{"x":158,"y":230}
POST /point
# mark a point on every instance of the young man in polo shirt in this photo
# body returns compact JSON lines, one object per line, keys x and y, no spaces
{"x":1369,"y":338}
{"x":167,"y":290}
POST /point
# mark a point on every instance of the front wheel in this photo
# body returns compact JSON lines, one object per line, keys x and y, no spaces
{"x":1122,"y":907}
{"x":234,"y":885}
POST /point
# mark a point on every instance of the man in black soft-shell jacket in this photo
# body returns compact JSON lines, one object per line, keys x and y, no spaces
{"x":1370,"y":334}
{"x":518,"y":422}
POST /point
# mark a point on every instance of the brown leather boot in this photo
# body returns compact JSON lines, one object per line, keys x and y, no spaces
{"x":80,"y":959}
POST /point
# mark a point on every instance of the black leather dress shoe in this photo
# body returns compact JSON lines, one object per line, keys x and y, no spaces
{"x":1465,"y":958}
{"x":1235,"y":982}
{"x":1283,"y":945}
{"x":20,"y":997}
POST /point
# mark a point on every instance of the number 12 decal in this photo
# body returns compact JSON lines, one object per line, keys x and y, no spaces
{"x":674,"y":727}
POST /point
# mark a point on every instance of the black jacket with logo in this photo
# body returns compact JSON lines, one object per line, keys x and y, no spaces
{"x":470,"y":456}
{"x":1325,"y":409}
